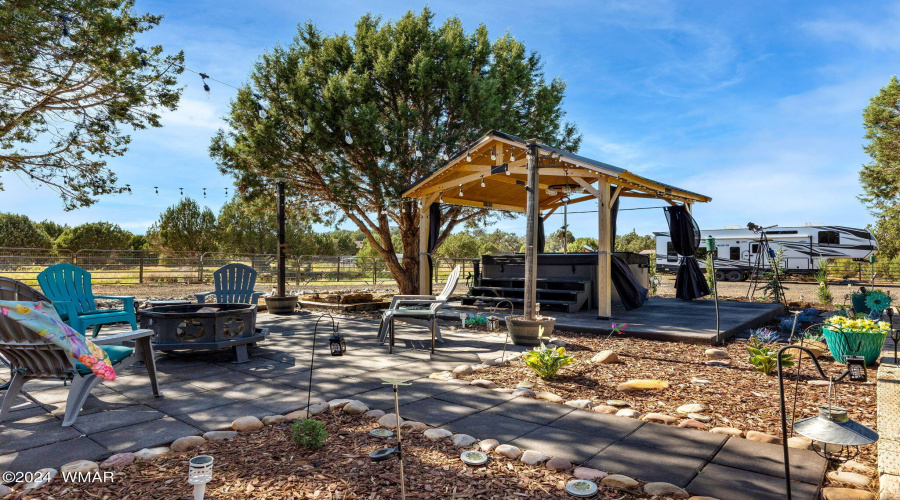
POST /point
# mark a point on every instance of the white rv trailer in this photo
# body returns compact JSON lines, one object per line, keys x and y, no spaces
{"x":803,"y":247}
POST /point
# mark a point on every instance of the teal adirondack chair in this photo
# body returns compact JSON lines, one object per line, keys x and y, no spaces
{"x":69,"y":287}
{"x":234,"y":285}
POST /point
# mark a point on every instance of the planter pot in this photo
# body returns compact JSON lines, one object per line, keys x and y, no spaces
{"x":281,"y":305}
{"x":858,"y":300}
{"x":528,"y":332}
{"x":841,"y":344}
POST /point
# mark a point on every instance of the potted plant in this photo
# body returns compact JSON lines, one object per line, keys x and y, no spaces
{"x":530,"y":332}
{"x":845,"y":335}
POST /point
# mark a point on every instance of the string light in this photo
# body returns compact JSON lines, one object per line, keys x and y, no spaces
{"x":204,"y":192}
{"x":141,"y":52}
{"x":507,"y":169}
{"x":444,"y":155}
{"x":259,"y":107}
{"x":482,"y":181}
{"x":493,"y":154}
{"x":181,"y":191}
{"x":460,"y":191}
{"x":387,"y":147}
{"x":347,"y":137}
{"x":156,"y":189}
{"x":441,"y":200}
{"x":203,"y":77}
{"x":512,"y":155}
{"x":64,"y":39}
{"x":226,"y":192}
{"x":469,"y":156}
{"x":128,"y":188}
{"x":418,"y":151}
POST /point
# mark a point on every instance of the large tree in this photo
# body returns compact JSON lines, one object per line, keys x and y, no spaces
{"x":94,"y":235}
{"x":184,"y":227}
{"x":880,"y":178}
{"x":334,"y":105}
{"x":20,"y":231}
{"x":70,"y":80}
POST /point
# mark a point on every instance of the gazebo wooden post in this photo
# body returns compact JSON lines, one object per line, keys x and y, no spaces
{"x":532,"y":212}
{"x":424,"y":265}
{"x":604,"y":247}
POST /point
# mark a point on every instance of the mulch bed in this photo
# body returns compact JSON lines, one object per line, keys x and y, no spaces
{"x":737,"y":395}
{"x":266,"y":464}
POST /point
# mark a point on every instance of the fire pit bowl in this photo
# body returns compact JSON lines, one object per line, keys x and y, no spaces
{"x":200,"y":327}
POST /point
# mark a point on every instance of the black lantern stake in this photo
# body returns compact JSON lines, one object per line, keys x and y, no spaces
{"x":382,"y":454}
{"x":831,"y":427}
{"x":341,"y":346}
{"x":895,"y":334}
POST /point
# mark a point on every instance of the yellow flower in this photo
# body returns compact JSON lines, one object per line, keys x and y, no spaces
{"x":22,"y":309}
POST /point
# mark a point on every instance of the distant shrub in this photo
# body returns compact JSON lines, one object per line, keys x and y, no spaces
{"x":21,"y":232}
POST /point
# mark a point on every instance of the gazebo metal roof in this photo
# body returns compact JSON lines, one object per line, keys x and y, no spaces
{"x":498,"y":161}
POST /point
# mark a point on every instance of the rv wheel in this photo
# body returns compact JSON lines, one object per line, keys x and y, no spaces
{"x":720,"y":275}
{"x":735,"y":276}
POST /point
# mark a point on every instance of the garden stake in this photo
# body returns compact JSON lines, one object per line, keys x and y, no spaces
{"x":388,"y":453}
{"x":312,"y":357}
{"x":506,"y":340}
{"x":895,"y":334}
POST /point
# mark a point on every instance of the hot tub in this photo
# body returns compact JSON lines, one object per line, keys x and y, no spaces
{"x":199,"y":327}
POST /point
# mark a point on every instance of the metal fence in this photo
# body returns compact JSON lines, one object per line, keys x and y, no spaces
{"x":146,"y":266}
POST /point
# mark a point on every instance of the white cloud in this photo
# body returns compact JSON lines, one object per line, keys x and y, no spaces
{"x":878,"y":34}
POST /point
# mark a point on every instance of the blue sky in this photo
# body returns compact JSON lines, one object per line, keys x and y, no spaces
{"x":757,"y":104}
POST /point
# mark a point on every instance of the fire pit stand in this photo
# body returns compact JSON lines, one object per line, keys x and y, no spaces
{"x":201,"y":327}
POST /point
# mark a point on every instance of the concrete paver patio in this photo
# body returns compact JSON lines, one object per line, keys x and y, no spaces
{"x":204,"y":391}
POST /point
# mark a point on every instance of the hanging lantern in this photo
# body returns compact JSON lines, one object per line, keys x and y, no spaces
{"x":493,"y":323}
{"x":337,"y":345}
{"x":835,"y":428}
{"x":856,"y":367}
{"x":710,"y":244}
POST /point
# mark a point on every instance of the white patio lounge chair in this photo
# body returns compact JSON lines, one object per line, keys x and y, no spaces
{"x":409,"y":309}
{"x":33,"y":357}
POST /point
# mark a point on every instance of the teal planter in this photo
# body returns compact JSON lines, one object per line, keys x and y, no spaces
{"x":841,"y":343}
{"x":859,"y":303}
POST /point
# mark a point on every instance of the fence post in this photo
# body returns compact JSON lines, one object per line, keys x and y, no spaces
{"x":374,"y":271}
{"x":297,"y":274}
{"x":200,"y":268}
{"x":141,"y":271}
{"x":339,"y":268}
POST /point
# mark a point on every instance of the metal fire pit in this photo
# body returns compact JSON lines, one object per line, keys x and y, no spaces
{"x":200,"y":327}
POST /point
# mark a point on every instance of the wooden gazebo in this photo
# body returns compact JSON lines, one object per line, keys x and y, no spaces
{"x":504,"y":172}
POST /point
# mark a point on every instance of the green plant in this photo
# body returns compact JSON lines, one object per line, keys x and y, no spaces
{"x":773,"y":288}
{"x":546,"y":361}
{"x":765,"y":357}
{"x":821,"y":275}
{"x":309,"y":433}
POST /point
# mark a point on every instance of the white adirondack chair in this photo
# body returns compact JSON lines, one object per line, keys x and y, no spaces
{"x":409,"y":309}
{"x":34,"y":358}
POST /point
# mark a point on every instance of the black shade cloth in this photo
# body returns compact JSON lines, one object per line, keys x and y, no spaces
{"x":631,"y":292}
{"x":434,"y":231}
{"x":541,"y":239}
{"x":685,"y":234}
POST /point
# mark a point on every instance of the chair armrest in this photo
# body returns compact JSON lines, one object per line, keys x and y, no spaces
{"x":67,"y":307}
{"x":201,"y":297}
{"x":127,"y":302}
{"x":421,"y":301}
{"x":398,"y":298}
{"x":122,"y":337}
{"x":254,"y":297}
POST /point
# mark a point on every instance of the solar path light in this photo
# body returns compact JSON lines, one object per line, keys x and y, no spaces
{"x":200,"y":473}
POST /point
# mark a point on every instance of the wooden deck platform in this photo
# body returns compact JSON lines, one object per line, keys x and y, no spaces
{"x":662,"y":319}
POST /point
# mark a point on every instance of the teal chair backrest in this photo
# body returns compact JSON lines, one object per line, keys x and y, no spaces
{"x":234,"y":283}
{"x":69,"y":283}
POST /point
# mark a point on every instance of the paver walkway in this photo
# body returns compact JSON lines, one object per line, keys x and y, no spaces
{"x":206,"y":392}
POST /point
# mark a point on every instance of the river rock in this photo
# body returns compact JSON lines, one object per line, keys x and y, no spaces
{"x":151,"y":453}
{"x":187,"y":443}
{"x":584,"y":404}
{"x":695,"y":380}
{"x":442,"y":376}
{"x":463,"y":440}
{"x":355,"y":408}
{"x":487,"y":384}
{"x":79,"y":466}
{"x":659,"y":418}
{"x":762,"y":437}
{"x":488,"y":445}
{"x":691,"y":408}
{"x":337,"y":404}
{"x":588,"y":474}
{"x":693,"y":424}
{"x":532,"y":457}
{"x":558,"y":464}
{"x":628,"y":412}
{"x":618,"y":481}
{"x":523,"y":393}
{"x":717,"y":362}
{"x":611,"y":410}
{"x":273,"y":419}
{"x":605,"y":358}
{"x":715,"y":354}
{"x":437,"y":434}
{"x":729,"y":431}
{"x":508,"y":451}
{"x":115,"y":461}
{"x":800,"y":442}
{"x":411,"y":426}
{"x":389,"y":420}
{"x":665,"y":490}
{"x":854,"y":466}
{"x":849,"y":478}
{"x":375,"y":413}
{"x":5,"y":490}
{"x":246,"y":424}
{"x":643,"y":385}
{"x":462,"y":370}
{"x":548,"y":396}
{"x":45,"y":475}
{"x":219,"y":435}
{"x":699,"y":417}
{"x":846,"y":494}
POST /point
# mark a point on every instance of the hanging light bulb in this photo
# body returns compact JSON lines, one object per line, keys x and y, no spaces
{"x":493,"y":154}
{"x":156,"y":189}
{"x":512,"y":156}
{"x":507,"y":169}
{"x":460,"y":191}
{"x":469,"y":156}
{"x":418,"y":151}
{"x":442,"y":197}
{"x":444,"y":155}
{"x":181,"y":191}
{"x":551,"y":192}
{"x":64,"y":39}
{"x":203,"y":77}
{"x":306,"y":127}
{"x":387,"y":147}
{"x":347,"y":137}
{"x":141,"y":52}
{"x":204,"y":192}
{"x":482,"y":181}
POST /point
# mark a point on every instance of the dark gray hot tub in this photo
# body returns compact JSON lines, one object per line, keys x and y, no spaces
{"x":198,"y":327}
